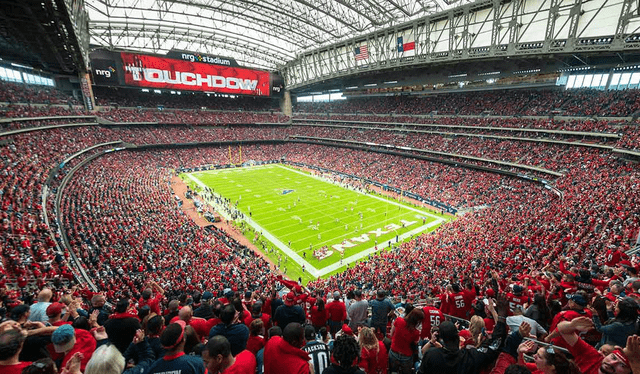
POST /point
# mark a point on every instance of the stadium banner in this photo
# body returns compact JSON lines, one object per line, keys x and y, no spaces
{"x":201,"y":57}
{"x":111,"y":68}
{"x":87,"y":93}
{"x":159,"y":72}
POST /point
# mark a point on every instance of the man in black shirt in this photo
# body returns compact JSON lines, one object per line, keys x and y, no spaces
{"x":289,"y":312}
{"x":318,"y":351}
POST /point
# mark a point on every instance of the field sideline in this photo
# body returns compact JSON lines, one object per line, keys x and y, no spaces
{"x":299,"y":213}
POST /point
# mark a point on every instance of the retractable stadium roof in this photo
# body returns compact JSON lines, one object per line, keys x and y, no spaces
{"x":263,"y":34}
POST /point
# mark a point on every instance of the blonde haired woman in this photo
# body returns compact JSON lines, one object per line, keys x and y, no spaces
{"x":477,"y":330}
{"x":374,"y":358}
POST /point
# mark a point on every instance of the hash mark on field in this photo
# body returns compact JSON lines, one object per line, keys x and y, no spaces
{"x":268,"y":202}
{"x":371,"y":210}
{"x":248,"y":190}
{"x":258,"y":196}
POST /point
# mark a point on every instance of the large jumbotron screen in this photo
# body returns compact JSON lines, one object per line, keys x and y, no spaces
{"x":158,"y":72}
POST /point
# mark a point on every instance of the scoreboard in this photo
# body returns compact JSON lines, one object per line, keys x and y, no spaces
{"x":204,"y":74}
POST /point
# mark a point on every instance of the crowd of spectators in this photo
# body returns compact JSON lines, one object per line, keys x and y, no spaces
{"x":133,"y":97}
{"x":126,"y":225}
{"x":499,"y":325}
{"x":453,"y":121}
{"x":461,"y":188}
{"x":23,"y":93}
{"x":191,"y":117}
{"x":129,"y":232}
{"x":523,"y":102}
{"x":627,"y":134}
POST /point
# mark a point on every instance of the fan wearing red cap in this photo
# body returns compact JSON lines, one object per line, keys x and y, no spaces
{"x":589,"y":360}
{"x":346,"y":330}
{"x":54,"y":312}
{"x":299,"y":295}
{"x":289,"y":312}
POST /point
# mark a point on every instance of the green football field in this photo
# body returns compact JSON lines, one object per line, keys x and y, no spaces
{"x":298,"y":214}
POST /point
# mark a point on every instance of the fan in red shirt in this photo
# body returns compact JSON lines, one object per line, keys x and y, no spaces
{"x":282,"y":355}
{"x":517,"y":299}
{"x":11,"y":343}
{"x":589,"y":360}
{"x":458,"y":304}
{"x":404,"y":338}
{"x":201,"y":325}
{"x":614,"y":256}
{"x":319,"y":315}
{"x":337,"y":313}
{"x":217,"y":358}
{"x":432,"y":318}
{"x":374,"y":358}
{"x":256,"y":313}
{"x":577,"y":304}
{"x":154,"y":303}
{"x":256,"y":340}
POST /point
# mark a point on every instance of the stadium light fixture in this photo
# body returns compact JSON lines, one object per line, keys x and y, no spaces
{"x":371,"y":85}
{"x":21,"y":66}
{"x":351,"y":88}
{"x":391,"y":82}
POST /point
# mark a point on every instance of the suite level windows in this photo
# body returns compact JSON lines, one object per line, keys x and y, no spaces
{"x":12,"y":75}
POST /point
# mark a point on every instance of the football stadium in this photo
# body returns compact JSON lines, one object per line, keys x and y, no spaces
{"x":345,"y":186}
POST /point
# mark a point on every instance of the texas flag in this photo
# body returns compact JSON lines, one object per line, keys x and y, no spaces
{"x":403,"y":47}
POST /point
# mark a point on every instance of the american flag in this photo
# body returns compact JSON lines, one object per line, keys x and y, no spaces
{"x":362,"y":53}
